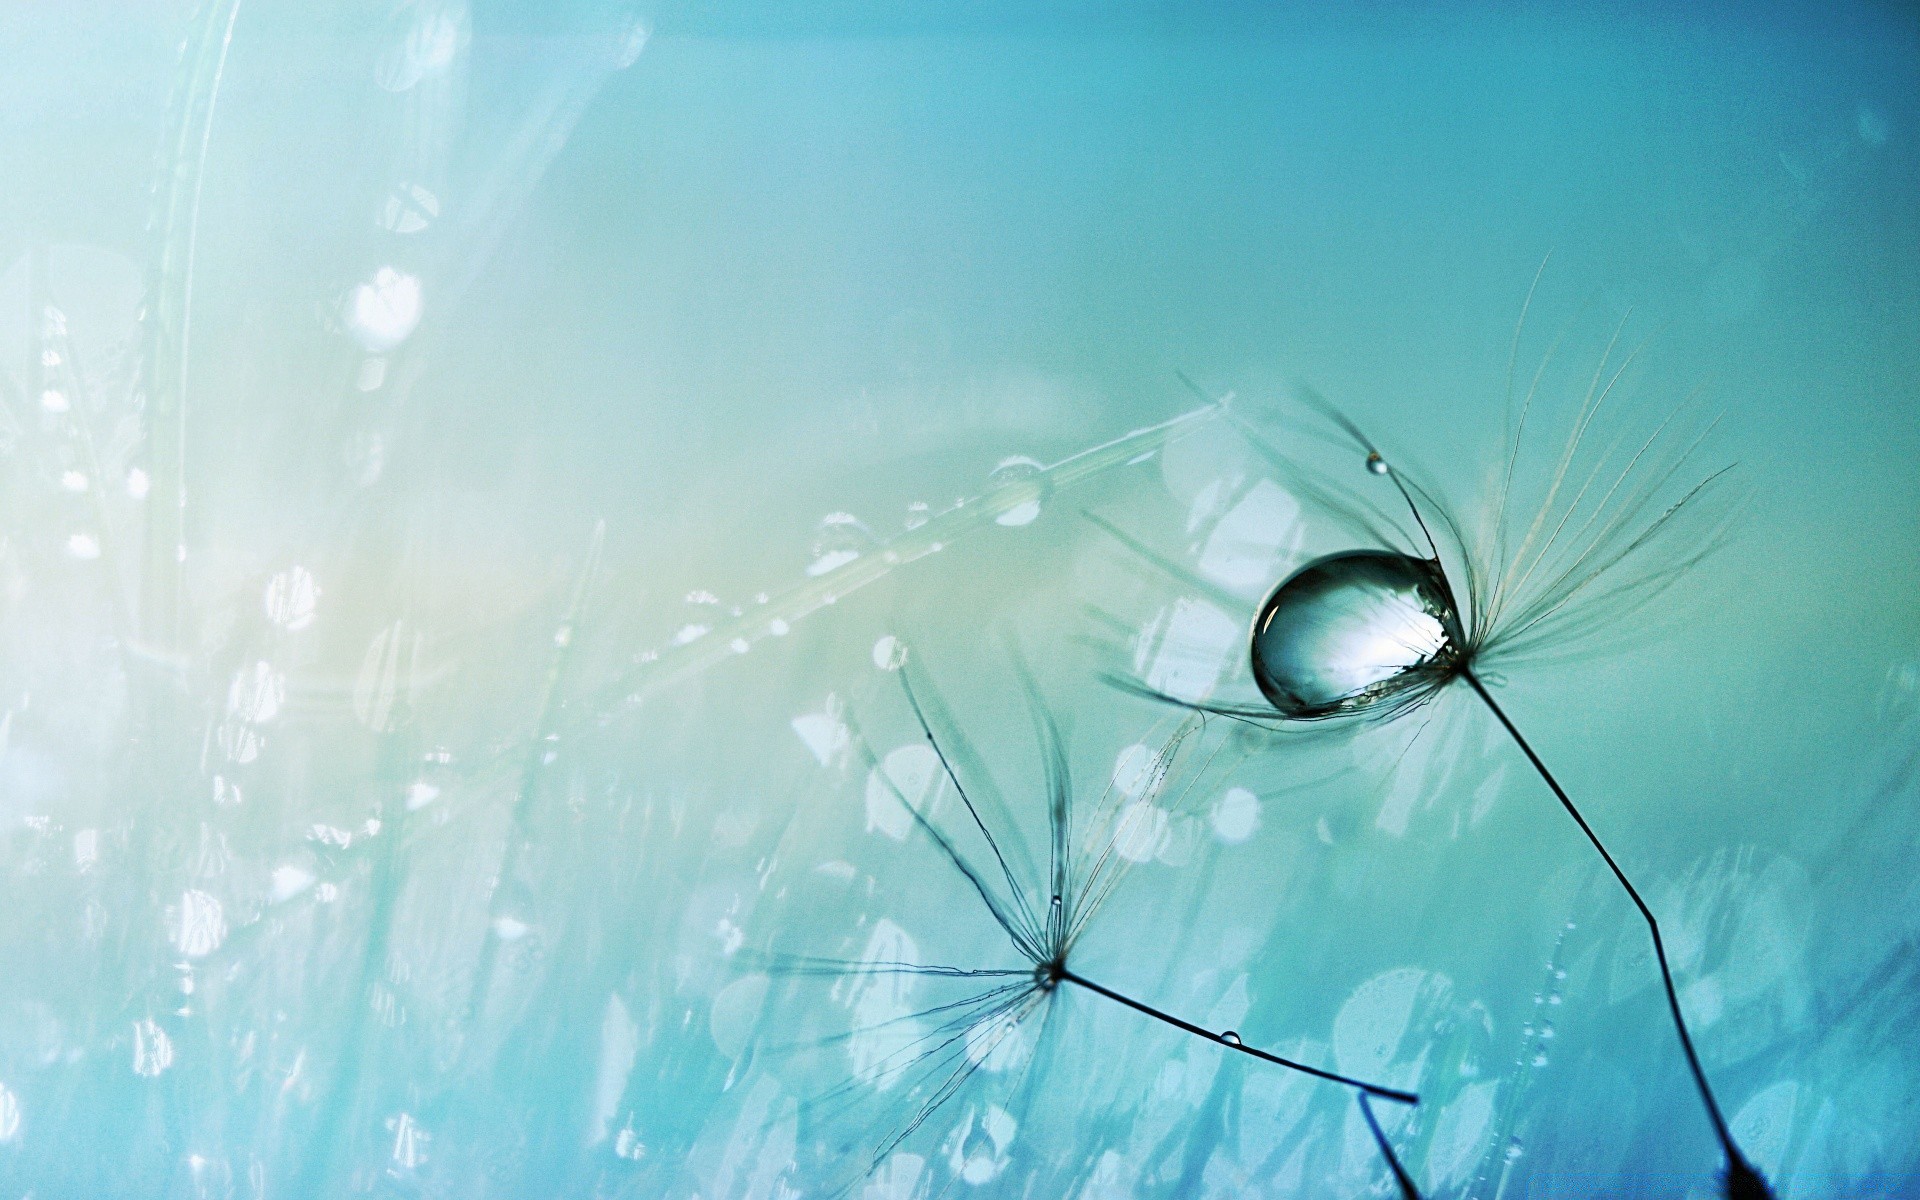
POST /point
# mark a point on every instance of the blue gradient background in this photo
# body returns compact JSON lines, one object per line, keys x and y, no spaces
{"x":800,"y":260}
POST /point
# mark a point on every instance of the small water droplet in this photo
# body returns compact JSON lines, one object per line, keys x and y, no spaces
{"x":917,"y":514}
{"x":1540,"y":1058}
{"x":841,"y":539}
{"x":889,"y":653}
{"x":1230,"y":1038}
{"x":1514,"y":1149}
{"x":1375,"y":463}
{"x":1554,"y":997}
{"x":1546,"y":1032}
{"x":1021,"y":477}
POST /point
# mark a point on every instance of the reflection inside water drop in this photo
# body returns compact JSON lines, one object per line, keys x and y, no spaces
{"x":1347,"y":630}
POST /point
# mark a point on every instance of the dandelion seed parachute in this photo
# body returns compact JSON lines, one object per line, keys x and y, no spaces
{"x":1375,"y":632}
{"x":1041,"y":915}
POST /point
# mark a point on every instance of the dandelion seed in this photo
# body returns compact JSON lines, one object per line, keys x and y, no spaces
{"x":932,"y":1054}
{"x":1376,"y":632}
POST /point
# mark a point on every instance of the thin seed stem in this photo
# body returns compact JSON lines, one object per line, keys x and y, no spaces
{"x":1407,"y":1189}
{"x":1066,"y":976}
{"x":1653,"y":927}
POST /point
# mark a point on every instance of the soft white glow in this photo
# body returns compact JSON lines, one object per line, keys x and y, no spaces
{"x":383,"y":312}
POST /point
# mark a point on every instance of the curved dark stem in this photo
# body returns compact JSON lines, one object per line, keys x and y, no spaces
{"x":1371,"y":1089}
{"x":1407,"y":1189}
{"x":1738,"y":1165}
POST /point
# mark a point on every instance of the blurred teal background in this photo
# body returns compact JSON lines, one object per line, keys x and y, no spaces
{"x":408,"y":405}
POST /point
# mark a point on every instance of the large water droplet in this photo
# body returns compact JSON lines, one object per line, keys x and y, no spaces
{"x":1230,"y":1038}
{"x":1346,"y":631}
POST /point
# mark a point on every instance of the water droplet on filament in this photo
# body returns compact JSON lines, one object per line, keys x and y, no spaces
{"x":1347,"y":630}
{"x":1023,"y":481}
